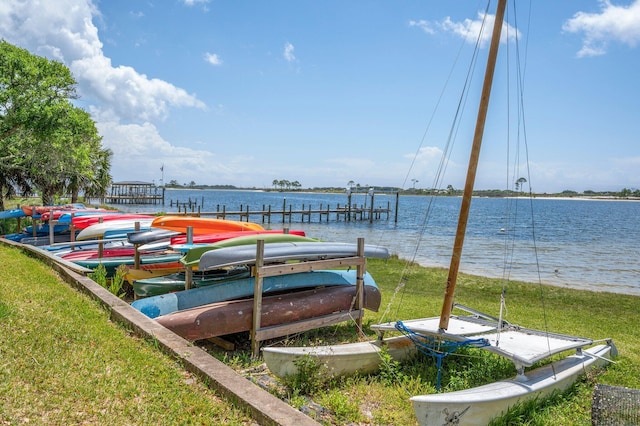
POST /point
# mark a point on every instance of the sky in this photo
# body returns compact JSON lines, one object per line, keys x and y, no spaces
{"x":330,"y":92}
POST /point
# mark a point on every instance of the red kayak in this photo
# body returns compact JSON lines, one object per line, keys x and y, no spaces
{"x":39,"y":210}
{"x":215,"y":237}
{"x":93,"y":253}
{"x":82,"y":222}
{"x":80,"y":212}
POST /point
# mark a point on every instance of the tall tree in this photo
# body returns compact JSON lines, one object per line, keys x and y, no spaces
{"x":46,"y":143}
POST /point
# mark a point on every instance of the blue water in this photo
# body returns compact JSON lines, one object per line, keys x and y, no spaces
{"x":581,"y":244}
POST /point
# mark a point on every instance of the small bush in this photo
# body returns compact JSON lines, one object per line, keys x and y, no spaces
{"x":311,"y":376}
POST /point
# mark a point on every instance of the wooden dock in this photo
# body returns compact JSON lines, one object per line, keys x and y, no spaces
{"x":134,"y":192}
{"x":307,"y":213}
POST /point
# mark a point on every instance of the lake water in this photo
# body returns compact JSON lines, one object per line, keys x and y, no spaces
{"x":582,"y":244}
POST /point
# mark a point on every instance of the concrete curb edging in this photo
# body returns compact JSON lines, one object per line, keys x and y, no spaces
{"x":265,"y":408}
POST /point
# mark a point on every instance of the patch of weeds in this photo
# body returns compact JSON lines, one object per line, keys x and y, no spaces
{"x":238,"y":360}
{"x":116,"y":284}
{"x":99,"y":275}
{"x":310,"y":377}
{"x":341,"y":406}
{"x":296,"y":400}
{"x":390,"y":369}
{"x":468,"y":368}
{"x":415,"y":385}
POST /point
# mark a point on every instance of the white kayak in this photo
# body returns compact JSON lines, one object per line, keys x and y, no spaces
{"x":283,"y":252}
{"x":98,"y":230}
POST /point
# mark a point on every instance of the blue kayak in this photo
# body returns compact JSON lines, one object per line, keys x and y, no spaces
{"x":13,"y":213}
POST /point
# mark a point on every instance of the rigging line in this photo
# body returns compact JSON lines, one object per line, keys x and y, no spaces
{"x":533,"y":223}
{"x":508,"y":255}
{"x":455,"y":124}
{"x":511,"y":218}
{"x":433,"y":114}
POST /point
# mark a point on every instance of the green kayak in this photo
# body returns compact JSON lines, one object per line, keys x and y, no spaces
{"x":195,"y":251}
{"x":175,"y":282}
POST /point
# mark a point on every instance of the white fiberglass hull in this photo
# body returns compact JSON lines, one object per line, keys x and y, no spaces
{"x":477,"y":406}
{"x":340,"y":360}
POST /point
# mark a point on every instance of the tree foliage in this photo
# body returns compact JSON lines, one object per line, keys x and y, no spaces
{"x":46,"y":143}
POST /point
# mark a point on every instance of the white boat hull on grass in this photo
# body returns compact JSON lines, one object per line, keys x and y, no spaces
{"x":339,"y":360}
{"x":477,"y":406}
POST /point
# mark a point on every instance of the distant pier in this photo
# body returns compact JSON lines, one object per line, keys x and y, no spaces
{"x":288,"y":214}
{"x":134,"y":192}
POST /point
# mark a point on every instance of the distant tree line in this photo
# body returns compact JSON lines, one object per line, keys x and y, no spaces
{"x":283,"y":184}
{"x":47,"y":145}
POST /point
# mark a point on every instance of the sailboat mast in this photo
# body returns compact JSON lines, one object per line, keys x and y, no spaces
{"x":447,"y":305}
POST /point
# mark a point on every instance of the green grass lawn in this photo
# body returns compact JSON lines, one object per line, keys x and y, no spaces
{"x":63,"y":362}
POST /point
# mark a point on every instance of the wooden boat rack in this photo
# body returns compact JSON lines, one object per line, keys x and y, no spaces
{"x":259,"y":334}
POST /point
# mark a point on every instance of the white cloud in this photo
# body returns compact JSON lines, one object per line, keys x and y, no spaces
{"x":288,"y":52}
{"x":613,"y":23}
{"x":64,"y":30}
{"x":194,"y":2}
{"x":423,"y":25}
{"x":122,"y":101}
{"x":469,"y":30}
{"x":141,"y":151}
{"x":427,"y":155}
{"x":213,"y":59}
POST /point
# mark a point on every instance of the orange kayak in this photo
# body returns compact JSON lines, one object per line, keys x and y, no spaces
{"x":202,"y":225}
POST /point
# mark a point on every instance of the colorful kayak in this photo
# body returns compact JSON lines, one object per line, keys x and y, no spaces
{"x":44,"y":229}
{"x":37,"y":211}
{"x":112,"y":263}
{"x":60,"y":249}
{"x":124,"y":251}
{"x":64,"y":216}
{"x":176,"y":282}
{"x":42,"y":240}
{"x":133,"y":274}
{"x":203,"y":225}
{"x":84,"y":221}
{"x":284,"y":252}
{"x":195,"y":251}
{"x":101,"y":230}
{"x":219,"y":236}
{"x":12,"y":213}
{"x":152,"y":236}
{"x":165,"y":304}
{"x":180,"y":240}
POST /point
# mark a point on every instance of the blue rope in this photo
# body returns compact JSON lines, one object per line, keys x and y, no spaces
{"x":437,"y":348}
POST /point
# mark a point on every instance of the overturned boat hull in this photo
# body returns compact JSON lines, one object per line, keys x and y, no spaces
{"x":235,"y":316}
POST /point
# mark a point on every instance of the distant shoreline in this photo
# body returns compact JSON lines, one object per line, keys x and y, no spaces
{"x":411,"y":193}
{"x":582,"y":198}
